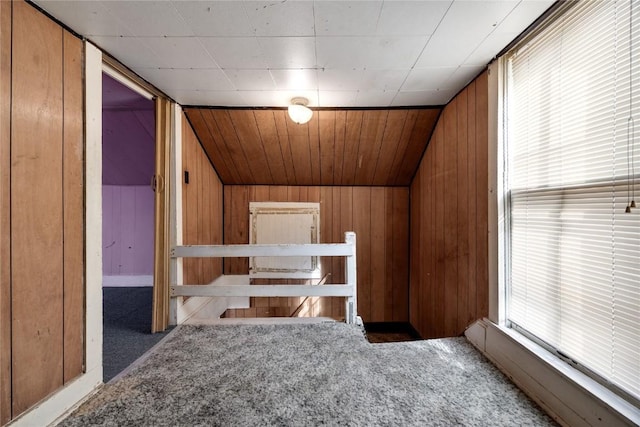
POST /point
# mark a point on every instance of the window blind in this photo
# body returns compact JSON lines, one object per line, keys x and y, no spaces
{"x":573,"y":253}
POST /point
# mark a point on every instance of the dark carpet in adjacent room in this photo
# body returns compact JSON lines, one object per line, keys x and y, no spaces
{"x":307,"y":375}
{"x":127,"y":327}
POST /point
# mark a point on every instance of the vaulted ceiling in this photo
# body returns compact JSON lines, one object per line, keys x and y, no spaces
{"x":337,"y":147}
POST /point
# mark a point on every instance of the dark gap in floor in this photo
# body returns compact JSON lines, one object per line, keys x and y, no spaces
{"x":127,"y":327}
{"x":381,"y":332}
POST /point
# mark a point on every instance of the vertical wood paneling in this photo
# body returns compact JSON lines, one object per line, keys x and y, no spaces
{"x":339,"y":135}
{"x":314,"y":150}
{"x":392,"y":135}
{"x":399,"y":255}
{"x":202,"y":209}
{"x":471,"y":179}
{"x":233,"y":146}
{"x":244,"y":124}
{"x":450,"y":218}
{"x":373,"y":147}
{"x":280,"y":117}
{"x":327,"y":125}
{"x":337,"y":263}
{"x":365,"y":210}
{"x":5,"y":212}
{"x":41,"y":208}
{"x":351,"y":146}
{"x":189,"y":203}
{"x":448,"y":275}
{"x":372,"y":131}
{"x":73,"y":187}
{"x":300,"y":152}
{"x":462,"y":211}
{"x":401,"y":146}
{"x":420,"y":130}
{"x":269,"y":137}
{"x":378,"y":299}
{"x":482,"y":141}
{"x":210,"y":139}
{"x":416,"y":308}
{"x":36,"y":207}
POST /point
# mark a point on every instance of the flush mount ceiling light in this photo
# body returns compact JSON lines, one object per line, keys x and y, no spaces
{"x":299,"y":112}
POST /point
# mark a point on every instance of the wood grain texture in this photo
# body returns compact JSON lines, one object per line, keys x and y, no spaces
{"x":202,"y":209}
{"x":380,"y":147}
{"x":160,"y":310}
{"x":448,"y":276}
{"x":380,"y":248}
{"x":36,"y":207}
{"x":5,"y":212}
{"x":73,"y":187}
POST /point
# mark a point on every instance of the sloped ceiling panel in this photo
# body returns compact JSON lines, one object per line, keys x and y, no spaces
{"x":337,"y":147}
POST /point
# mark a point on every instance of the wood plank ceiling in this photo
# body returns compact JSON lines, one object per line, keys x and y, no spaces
{"x":381,"y":147}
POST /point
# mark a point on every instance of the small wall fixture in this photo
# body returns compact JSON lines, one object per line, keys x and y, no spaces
{"x":299,"y":112}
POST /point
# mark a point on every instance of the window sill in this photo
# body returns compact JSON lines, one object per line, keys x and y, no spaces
{"x":568,"y":395}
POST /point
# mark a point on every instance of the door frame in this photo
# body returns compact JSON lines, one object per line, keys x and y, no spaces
{"x":161,"y":184}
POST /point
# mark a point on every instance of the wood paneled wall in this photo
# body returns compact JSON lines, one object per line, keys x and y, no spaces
{"x":201,"y":209}
{"x":42,"y":233}
{"x":380,"y":218}
{"x":379,"y":147}
{"x":449,"y":271}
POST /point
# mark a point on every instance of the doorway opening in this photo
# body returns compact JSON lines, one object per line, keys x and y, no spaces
{"x":128,"y":218}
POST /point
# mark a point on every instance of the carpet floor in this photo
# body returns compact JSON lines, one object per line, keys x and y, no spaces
{"x":126,"y":327}
{"x":307,"y":375}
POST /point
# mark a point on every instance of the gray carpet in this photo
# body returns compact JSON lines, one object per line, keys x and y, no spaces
{"x":126,"y":314}
{"x":307,"y":375}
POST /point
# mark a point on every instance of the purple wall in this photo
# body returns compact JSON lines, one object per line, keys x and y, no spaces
{"x":128,"y":135}
{"x":127,"y":230}
{"x":128,"y":158}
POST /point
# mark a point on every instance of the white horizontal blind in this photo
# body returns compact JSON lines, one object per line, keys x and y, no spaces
{"x":574,"y":261}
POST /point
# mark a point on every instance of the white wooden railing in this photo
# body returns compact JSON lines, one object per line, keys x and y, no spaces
{"x":347,"y":289}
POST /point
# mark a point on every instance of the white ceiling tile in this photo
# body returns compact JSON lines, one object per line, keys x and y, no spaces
{"x":234,"y":52}
{"x":463,"y":75}
{"x":89,"y":18}
{"x":489,"y":47}
{"x":411,"y":17}
{"x":382,"y":79}
{"x":525,"y":13}
{"x":369,"y":52}
{"x":215,"y":18}
{"x":427,"y":97}
{"x":453,"y":42}
{"x":288,"y":52}
{"x":280,"y":18}
{"x":180,"y":52}
{"x":136,"y":15}
{"x":251,"y":79}
{"x":209,"y":98}
{"x":131,"y":51}
{"x":330,"y":98}
{"x":186,"y":79}
{"x":421,"y":79}
{"x":278,"y":98}
{"x":298,"y":79}
{"x":379,"y":98}
{"x":363,"y":54}
{"x":339,"y":79}
{"x":346,"y":18}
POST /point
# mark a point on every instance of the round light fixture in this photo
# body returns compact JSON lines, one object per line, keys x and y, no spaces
{"x":299,"y":112}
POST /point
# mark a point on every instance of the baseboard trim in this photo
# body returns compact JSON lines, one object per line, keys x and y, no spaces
{"x":126,"y":281}
{"x":568,"y":395}
{"x":54,"y":408}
